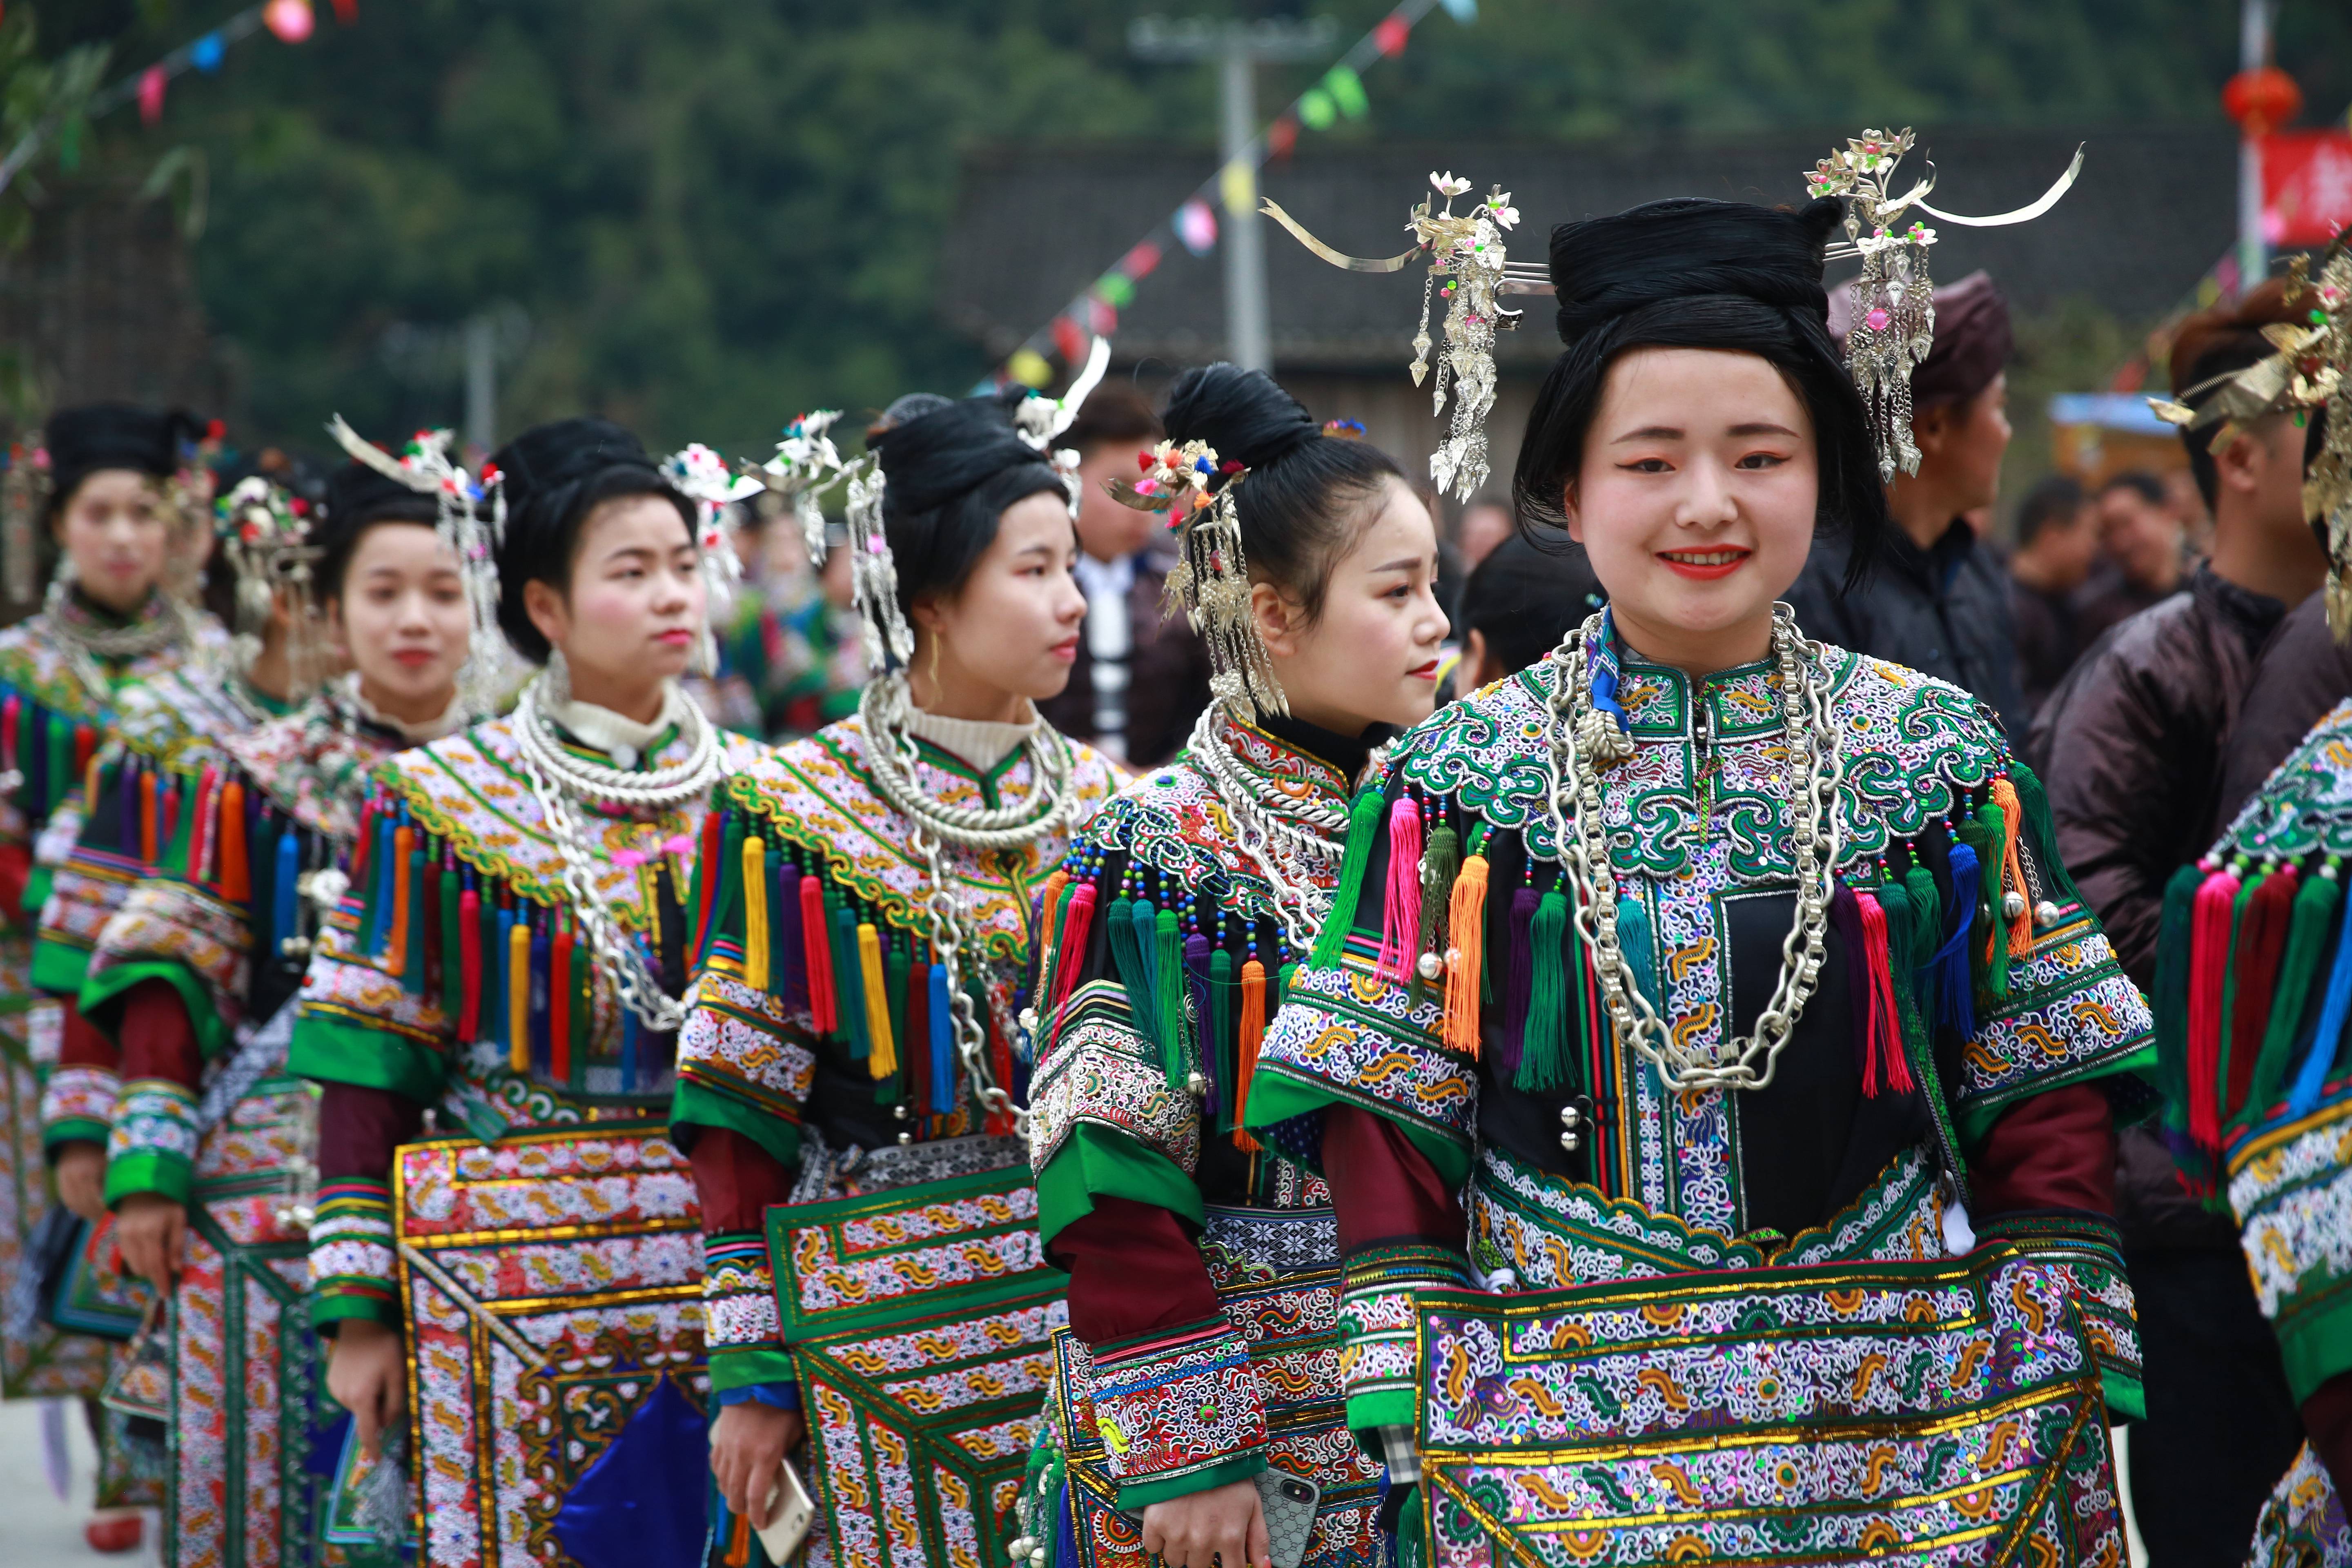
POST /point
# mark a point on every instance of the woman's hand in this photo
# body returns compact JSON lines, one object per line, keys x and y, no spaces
{"x":747,"y":1443}
{"x":1195,"y":1531}
{"x":367,"y":1374}
{"x":81,"y":1178}
{"x":151,"y":1233}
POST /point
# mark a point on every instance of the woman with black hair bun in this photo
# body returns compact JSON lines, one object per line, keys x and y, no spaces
{"x":875,"y":904}
{"x":193,"y":978}
{"x":1309,"y":568}
{"x":1725,"y":985}
{"x":511,"y":948}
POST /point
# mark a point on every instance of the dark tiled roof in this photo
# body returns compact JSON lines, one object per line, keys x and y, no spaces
{"x":2153,"y":210}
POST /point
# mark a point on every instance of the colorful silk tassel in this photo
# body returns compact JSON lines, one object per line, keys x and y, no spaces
{"x":1401,"y":902}
{"x":516,"y":934}
{"x":2208,"y":956}
{"x":150,"y":830}
{"x":1884,"y":1024}
{"x":1546,"y":1063}
{"x":1196,"y":977}
{"x":787,"y":977}
{"x":1440,"y":865}
{"x":2013,"y":867}
{"x":1363,"y":830}
{"x":559,"y":1005}
{"x":816,"y":947}
{"x":2261,"y":939}
{"x":849,"y":984}
{"x":710,"y":870}
{"x":1078,"y":927}
{"x":1146,"y":1000}
{"x":882,"y":1050}
{"x":896,"y":967}
{"x":1954,"y":976}
{"x":1127,"y":962}
{"x":753,"y":863}
{"x":469,"y":962}
{"x":2325,"y":1050}
{"x":2170,"y":997}
{"x":1168,"y":991}
{"x":404,"y":852}
{"x":1466,"y":956}
{"x":1252,"y":1039}
{"x":1222,"y":1054}
{"x":235,"y":886}
{"x":1633,"y":940}
{"x":450,"y":948}
{"x":1518,"y":979}
{"x":285,"y":902}
{"x":943,"y":1061}
{"x":2306,"y":942}
{"x":1927,"y":919}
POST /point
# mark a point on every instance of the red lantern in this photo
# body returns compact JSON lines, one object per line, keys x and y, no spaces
{"x":2262,"y":100}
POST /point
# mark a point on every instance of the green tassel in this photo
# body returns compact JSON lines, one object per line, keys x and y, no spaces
{"x":1441,"y":863}
{"x":2246,"y":890}
{"x":583,"y":1009}
{"x":1127,"y":962}
{"x":1364,"y":820}
{"x":1641,"y":953}
{"x":1544,"y":1057}
{"x":1996,"y":829}
{"x":2301,"y":965}
{"x":1049,"y":973}
{"x":1927,"y":920}
{"x":728,"y":904}
{"x":1227,"y":1034}
{"x":848,"y":982}
{"x":453,"y":948}
{"x":1140,"y":994}
{"x":412,"y":978}
{"x":1986,"y":843}
{"x":2169,"y":1000}
{"x":1168,"y":990}
{"x":898,"y":967}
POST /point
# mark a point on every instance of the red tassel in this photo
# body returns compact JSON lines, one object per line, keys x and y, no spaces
{"x":2262,"y":940}
{"x":816,"y":947}
{"x":709,"y":871}
{"x":1075,"y":928}
{"x":559,"y":1005}
{"x":2208,"y":954}
{"x":1400,"y":900}
{"x":469,"y":965}
{"x":918,"y":1037}
{"x":1885,"y":1023}
{"x":363,"y":852}
{"x":85,"y":746}
{"x":148,"y":803}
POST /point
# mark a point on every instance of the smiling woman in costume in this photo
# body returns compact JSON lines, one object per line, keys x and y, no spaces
{"x":196,"y":978}
{"x":512,"y":953}
{"x":1176,"y":918}
{"x":866,"y":941}
{"x":1730,"y":976}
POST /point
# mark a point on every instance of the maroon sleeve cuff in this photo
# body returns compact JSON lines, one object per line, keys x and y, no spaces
{"x":1134,"y":1269}
{"x":84,"y":1046}
{"x":735,"y":1181}
{"x":2053,"y":1151}
{"x":359,"y":1129}
{"x":159,"y":1040}
{"x":1384,"y":1191}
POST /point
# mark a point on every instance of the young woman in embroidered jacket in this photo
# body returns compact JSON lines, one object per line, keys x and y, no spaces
{"x":190,"y":978}
{"x":510,"y":955}
{"x":916,"y":836}
{"x":1699,"y":950}
{"x":1175,"y":919}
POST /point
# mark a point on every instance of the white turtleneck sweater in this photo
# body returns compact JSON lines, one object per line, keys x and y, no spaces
{"x":451,"y":720}
{"x":983,"y":742}
{"x":621,"y":737}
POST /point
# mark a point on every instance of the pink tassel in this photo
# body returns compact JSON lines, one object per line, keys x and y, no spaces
{"x":2208,"y":959}
{"x":1401,"y":902}
{"x":1886,"y":1024}
{"x":200,"y":841}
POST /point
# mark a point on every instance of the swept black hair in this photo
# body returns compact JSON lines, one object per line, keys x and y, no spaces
{"x":358,"y":498}
{"x":1698,"y":274}
{"x":952,"y":468}
{"x":554,"y":475}
{"x":99,"y":436}
{"x":1302,"y":502}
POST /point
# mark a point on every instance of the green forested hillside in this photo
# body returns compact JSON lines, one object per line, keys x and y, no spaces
{"x":716,"y":211}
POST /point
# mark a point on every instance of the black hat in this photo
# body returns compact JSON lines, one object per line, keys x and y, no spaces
{"x":82,"y":441}
{"x":358,"y":494}
{"x":1687,"y":246}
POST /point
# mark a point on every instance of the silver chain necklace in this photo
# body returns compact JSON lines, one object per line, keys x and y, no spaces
{"x":1280,"y":835}
{"x":558,"y":778}
{"x":1584,"y":739}
{"x":84,"y":643}
{"x":891,"y":758}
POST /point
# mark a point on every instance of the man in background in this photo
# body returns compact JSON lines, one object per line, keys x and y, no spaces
{"x":1938,"y":600}
{"x":1487,"y":521}
{"x":2057,"y":544}
{"x":2144,"y":541}
{"x":2130,"y":748}
{"x":1521,"y":603}
{"x":1139,"y":680}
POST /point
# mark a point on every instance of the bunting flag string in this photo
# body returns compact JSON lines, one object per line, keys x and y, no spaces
{"x":1337,"y":94}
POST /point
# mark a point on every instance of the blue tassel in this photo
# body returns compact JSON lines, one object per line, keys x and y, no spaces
{"x":787,"y":948}
{"x":630,"y":1024}
{"x":1065,"y":1532}
{"x":850,"y":985}
{"x":943,"y":1063}
{"x":1954,"y":988}
{"x":2313,"y":1076}
{"x":542,"y":953}
{"x":282,"y":896}
{"x":504,"y":958}
{"x":1641,"y":953}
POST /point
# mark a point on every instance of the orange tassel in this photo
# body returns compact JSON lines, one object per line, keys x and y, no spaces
{"x":1253,"y":1033}
{"x":1465,"y":963}
{"x":235,"y":886}
{"x":2013,"y":870}
{"x":395,"y":948}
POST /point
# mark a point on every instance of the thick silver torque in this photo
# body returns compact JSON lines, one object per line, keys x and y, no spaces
{"x":1269,"y":826}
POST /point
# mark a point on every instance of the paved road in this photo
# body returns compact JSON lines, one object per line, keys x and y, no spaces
{"x":36,"y":1530}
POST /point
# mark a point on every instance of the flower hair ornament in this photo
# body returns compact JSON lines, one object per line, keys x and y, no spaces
{"x":425,"y":467}
{"x":266,"y":533}
{"x":1894,"y":300}
{"x":2312,"y":370}
{"x":1211,"y":581}
{"x":702,"y":476}
{"x":806,"y":465}
{"x":188,"y":496}
{"x":1467,"y":250}
{"x":1039,"y":420}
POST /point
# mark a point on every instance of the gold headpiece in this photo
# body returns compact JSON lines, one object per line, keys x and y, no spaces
{"x":2308,"y":372}
{"x":1211,"y":583}
{"x":1467,"y":250}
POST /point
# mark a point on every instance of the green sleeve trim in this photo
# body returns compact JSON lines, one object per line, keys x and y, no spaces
{"x":37,"y":894}
{"x":330,"y":1307}
{"x":1096,"y":1161}
{"x":332,"y":1050}
{"x":2125,"y":1397}
{"x":1975,"y":1118}
{"x":1276,"y":1096}
{"x":73,"y":1130}
{"x":696,"y":1105}
{"x":148,"y":1171}
{"x":101,"y":992}
{"x":2316,"y":1341}
{"x":747,"y":1368}
{"x":1381,"y":1407}
{"x":1136,"y":1495}
{"x":57,"y":967}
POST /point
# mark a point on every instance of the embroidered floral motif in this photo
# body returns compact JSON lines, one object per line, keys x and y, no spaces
{"x":1178,"y":1403}
{"x":2303,"y":1524}
{"x":2305,"y":806}
{"x":154,"y":1116}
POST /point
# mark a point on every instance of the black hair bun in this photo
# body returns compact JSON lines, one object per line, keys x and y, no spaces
{"x":358,"y":494}
{"x":546,"y":461}
{"x":81,"y":441}
{"x":1243,"y":414}
{"x":1684,"y":246}
{"x":935,"y":454}
{"x":552,"y":476}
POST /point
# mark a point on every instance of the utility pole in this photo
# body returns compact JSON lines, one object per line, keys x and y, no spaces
{"x":2254,"y":53}
{"x":482,"y":381}
{"x":1239,"y":48}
